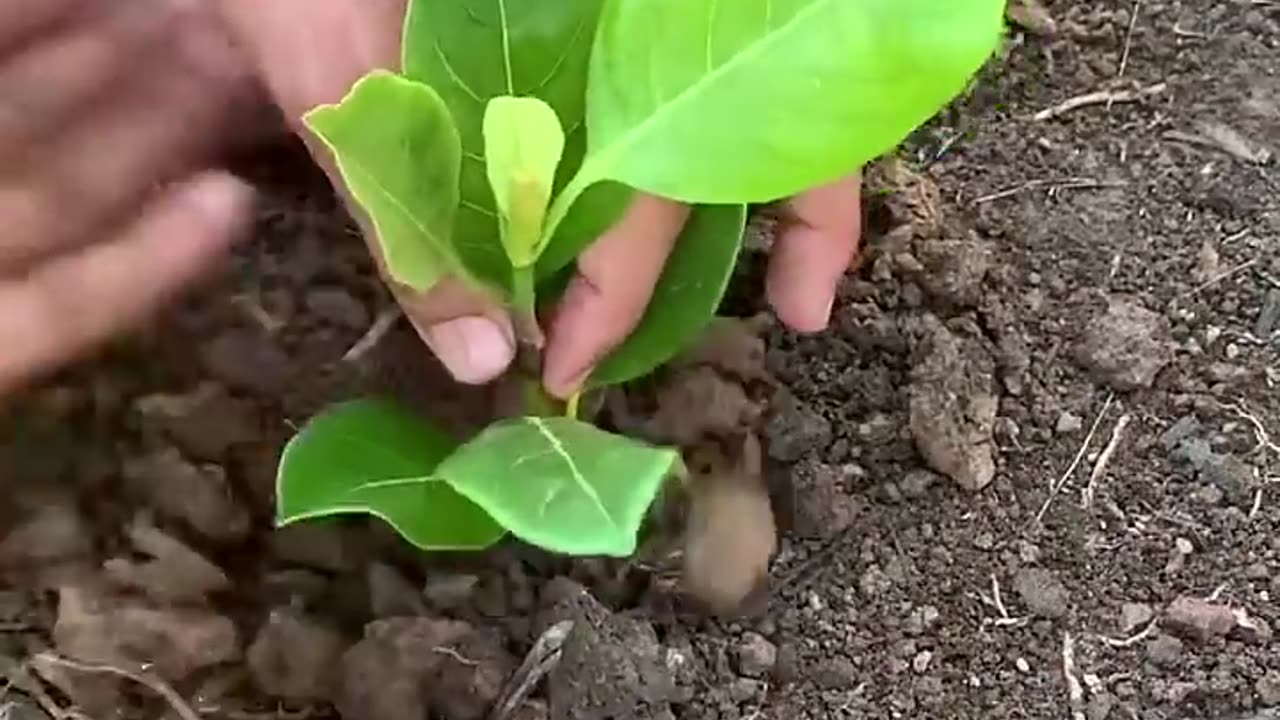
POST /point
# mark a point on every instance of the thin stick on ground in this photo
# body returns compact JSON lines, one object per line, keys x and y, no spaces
{"x":1128,"y":38}
{"x":1075,"y":691}
{"x":542,"y":658}
{"x":1100,"y":97}
{"x":43,"y":662}
{"x":1100,"y":467}
{"x":1132,"y":640}
{"x":1061,"y":482}
{"x":381,"y":326}
{"x":1219,"y":278}
{"x":1072,"y":183}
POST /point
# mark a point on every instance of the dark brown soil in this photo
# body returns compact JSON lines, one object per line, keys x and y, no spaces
{"x":1032,"y":471}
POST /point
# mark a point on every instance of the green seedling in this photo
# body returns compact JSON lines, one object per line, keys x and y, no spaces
{"x":514,"y":133}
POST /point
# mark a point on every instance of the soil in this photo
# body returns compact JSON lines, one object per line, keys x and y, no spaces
{"x":1031,"y":471}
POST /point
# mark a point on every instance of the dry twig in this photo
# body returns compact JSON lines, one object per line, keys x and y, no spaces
{"x":1055,"y":185}
{"x":1100,"y":97}
{"x":1075,"y":691}
{"x":1061,"y":482}
{"x":1133,"y":640}
{"x":542,"y":658}
{"x":1218,"y":278}
{"x":381,"y":326}
{"x":45,"y":661}
{"x":1100,"y":466}
{"x":1128,"y":38}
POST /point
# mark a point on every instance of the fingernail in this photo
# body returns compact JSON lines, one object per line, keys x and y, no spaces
{"x":475,"y":349}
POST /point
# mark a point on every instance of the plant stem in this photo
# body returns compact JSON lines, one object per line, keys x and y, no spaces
{"x":524,"y":301}
{"x":571,"y":407}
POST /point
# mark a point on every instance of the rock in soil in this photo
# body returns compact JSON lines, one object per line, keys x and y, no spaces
{"x":755,"y":655}
{"x":1199,"y":619}
{"x":823,"y":505}
{"x":174,"y":574}
{"x":953,"y":408}
{"x":197,"y":494}
{"x":204,"y":423}
{"x":1134,"y":616}
{"x":1125,"y":347}
{"x":955,"y":269}
{"x":611,"y":665}
{"x":407,"y":668}
{"x":1268,"y":689}
{"x":794,"y":428}
{"x":1164,"y":650}
{"x":295,"y":657}
{"x":55,"y":533}
{"x":1042,"y":592}
{"x":95,"y":627}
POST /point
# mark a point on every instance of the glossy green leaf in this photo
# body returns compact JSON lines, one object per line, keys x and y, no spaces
{"x":473,"y":51}
{"x":686,"y":297}
{"x":399,"y":153}
{"x":523,"y":144}
{"x":373,"y":457}
{"x":708,"y":101}
{"x":561,"y":484}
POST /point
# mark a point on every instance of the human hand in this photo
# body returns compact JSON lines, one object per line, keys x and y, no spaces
{"x":310,"y":52}
{"x":106,"y":111}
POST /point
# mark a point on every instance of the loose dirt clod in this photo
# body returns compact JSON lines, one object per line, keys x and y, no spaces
{"x":98,"y":628}
{"x":953,"y":407}
{"x":1199,"y":619}
{"x":611,"y":666}
{"x":1125,"y":347}
{"x":406,"y":668}
{"x":174,"y":574}
{"x":794,"y":428}
{"x":1042,"y":592}
{"x":295,"y":657}
{"x":197,"y":494}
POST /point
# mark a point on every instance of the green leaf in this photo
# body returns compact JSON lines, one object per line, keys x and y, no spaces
{"x":523,"y":143}
{"x":707,"y":101}
{"x":398,"y":151}
{"x":372,"y":457}
{"x":473,"y":51}
{"x":561,"y":484}
{"x":686,"y":297}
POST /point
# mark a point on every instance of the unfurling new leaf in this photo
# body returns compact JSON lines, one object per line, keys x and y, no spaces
{"x":523,"y":144}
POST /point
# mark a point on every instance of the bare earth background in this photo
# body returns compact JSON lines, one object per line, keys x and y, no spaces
{"x":1081,"y":309}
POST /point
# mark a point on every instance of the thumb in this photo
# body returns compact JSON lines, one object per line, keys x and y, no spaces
{"x":607,"y":297}
{"x":818,"y":240}
{"x":309,"y":53}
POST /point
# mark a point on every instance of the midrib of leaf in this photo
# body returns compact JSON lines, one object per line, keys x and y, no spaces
{"x":356,"y":167}
{"x":569,"y":462}
{"x":596,"y":166}
{"x":506,"y":45}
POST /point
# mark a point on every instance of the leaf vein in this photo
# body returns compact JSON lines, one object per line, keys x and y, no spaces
{"x":564,"y":56}
{"x":572,"y":465}
{"x":453,"y":74}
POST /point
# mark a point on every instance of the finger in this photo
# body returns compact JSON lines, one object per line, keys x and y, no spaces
{"x":817,"y":241}
{"x":151,"y":131}
{"x":317,"y":62}
{"x":43,"y":85}
{"x":20,"y":20}
{"x":469,"y":333}
{"x":309,"y":52}
{"x":607,"y":297}
{"x":76,"y":301}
